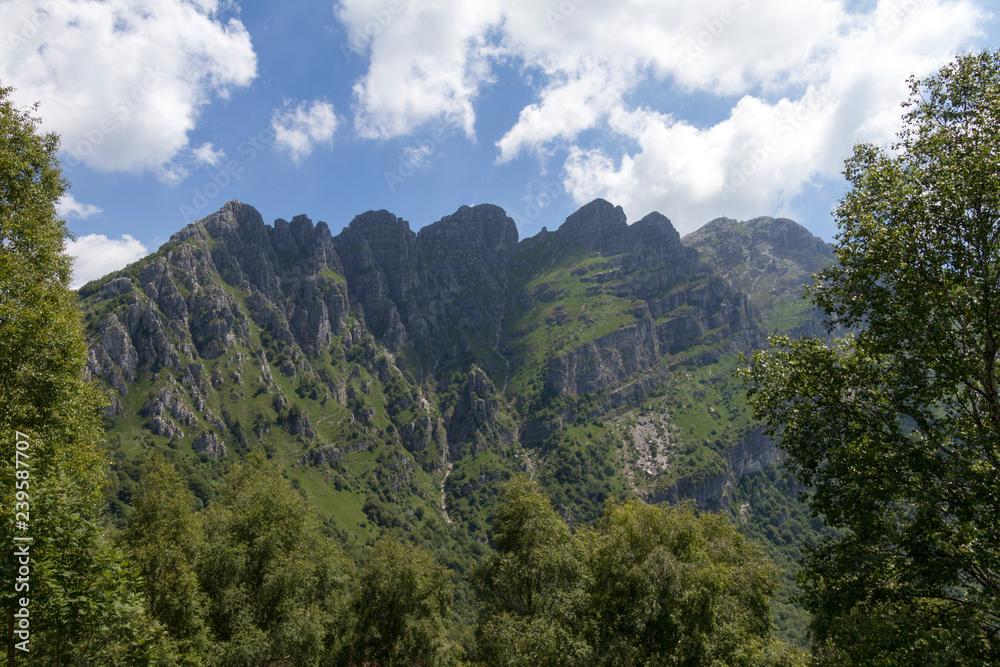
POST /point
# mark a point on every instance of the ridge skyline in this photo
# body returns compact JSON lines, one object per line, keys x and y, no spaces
{"x":416,"y":230}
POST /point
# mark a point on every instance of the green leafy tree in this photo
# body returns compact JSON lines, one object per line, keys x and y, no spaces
{"x":648,"y":585}
{"x":163,"y":540}
{"x":533,"y":588}
{"x":897,"y":428}
{"x":82,"y":604}
{"x":277,"y":586}
{"x":402,"y":606}
{"x":671,"y":585}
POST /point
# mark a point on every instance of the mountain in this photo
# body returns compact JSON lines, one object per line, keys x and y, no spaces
{"x":401,"y":377}
{"x":771,"y":260}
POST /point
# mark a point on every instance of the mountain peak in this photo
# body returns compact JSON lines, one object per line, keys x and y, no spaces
{"x":655,"y":231}
{"x":596,"y":225}
{"x":381,"y":222}
{"x":483,"y":229}
{"x":782,"y":235}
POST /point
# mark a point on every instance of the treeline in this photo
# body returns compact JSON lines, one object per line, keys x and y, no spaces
{"x":254,"y":580}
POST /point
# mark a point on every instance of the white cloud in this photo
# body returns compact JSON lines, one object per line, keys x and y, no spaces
{"x":298,"y":129}
{"x":206,"y":154}
{"x":760,"y":157}
{"x":96,"y":255}
{"x":122,"y":81}
{"x":427,"y":60}
{"x":69,"y":207}
{"x":809,"y":79}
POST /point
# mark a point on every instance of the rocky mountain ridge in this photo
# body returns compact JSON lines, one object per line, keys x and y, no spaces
{"x":388,"y":369}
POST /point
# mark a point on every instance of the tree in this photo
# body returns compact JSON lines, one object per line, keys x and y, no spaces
{"x":402,"y":607}
{"x":277,"y":586}
{"x":82,"y":604}
{"x":672,"y":585}
{"x":163,"y":540}
{"x":533,"y":589}
{"x":647,"y":585}
{"x":896,"y":428}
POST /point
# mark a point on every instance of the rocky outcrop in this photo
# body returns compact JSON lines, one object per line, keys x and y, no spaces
{"x":116,"y":287}
{"x":381,"y":268}
{"x":290,"y":275}
{"x":466,"y":257}
{"x":753,"y":454}
{"x":606,"y":361}
{"x":601,"y":227}
{"x":113,"y":357}
{"x":450,"y":276}
{"x":210,"y":444}
{"x":476,"y":419}
{"x":681,"y":304}
{"x":320,"y":456}
{"x":298,"y":423}
{"x":418,"y":434}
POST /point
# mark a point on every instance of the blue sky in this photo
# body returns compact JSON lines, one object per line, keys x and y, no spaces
{"x":169,"y":108}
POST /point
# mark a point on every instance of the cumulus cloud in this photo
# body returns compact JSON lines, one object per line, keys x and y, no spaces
{"x":96,"y":255}
{"x":427,"y":61}
{"x":122,"y":81}
{"x":805,"y":81}
{"x":298,"y":128}
{"x":69,"y":207}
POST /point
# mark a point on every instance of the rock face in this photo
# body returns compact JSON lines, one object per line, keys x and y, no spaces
{"x":477,"y":417}
{"x":769,"y":259}
{"x":414,"y":287}
{"x":210,"y":444}
{"x":676,"y":303}
{"x":380,"y":267}
{"x":455,"y":350}
{"x":755,"y":453}
{"x":447,"y":289}
{"x":600,"y":226}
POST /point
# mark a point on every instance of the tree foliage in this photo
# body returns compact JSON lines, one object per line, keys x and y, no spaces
{"x":402,"y":609}
{"x":533,"y":588}
{"x":897,"y":428}
{"x":672,"y":585}
{"x":648,"y":585}
{"x":276,"y":585}
{"x":163,"y":541}
{"x":83,"y":606}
